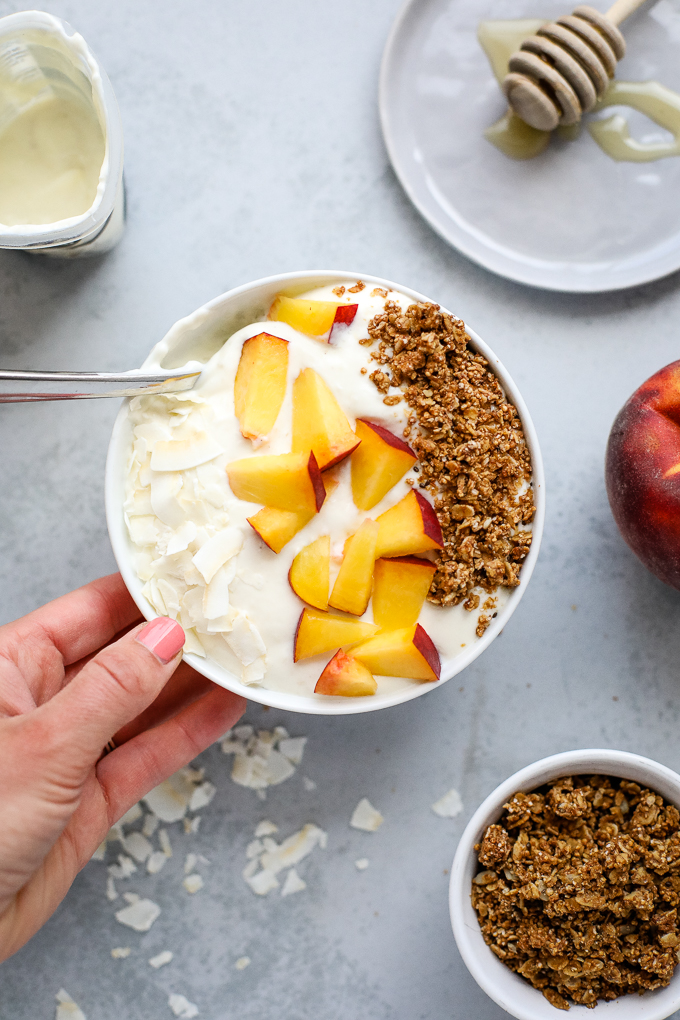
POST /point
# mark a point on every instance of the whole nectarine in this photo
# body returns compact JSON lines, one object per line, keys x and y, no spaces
{"x":643,"y":473}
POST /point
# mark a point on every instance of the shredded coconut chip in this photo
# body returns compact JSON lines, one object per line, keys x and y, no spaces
{"x":366,"y":817}
{"x":67,"y":1009}
{"x":361,"y":864}
{"x":449,"y":805}
{"x":161,"y":959}
{"x":181,"y":1007}
{"x":293,"y":883}
{"x":192,"y":883}
{"x":121,"y":953}
{"x":139,"y":915}
{"x":242,"y":962}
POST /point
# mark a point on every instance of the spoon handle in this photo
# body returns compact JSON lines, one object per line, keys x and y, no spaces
{"x":622,"y":9}
{"x":90,"y":385}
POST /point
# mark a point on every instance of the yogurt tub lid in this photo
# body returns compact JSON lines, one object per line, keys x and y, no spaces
{"x":88,"y":224}
{"x":191,"y":342}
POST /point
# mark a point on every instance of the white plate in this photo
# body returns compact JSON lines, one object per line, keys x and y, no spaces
{"x":571,"y":219}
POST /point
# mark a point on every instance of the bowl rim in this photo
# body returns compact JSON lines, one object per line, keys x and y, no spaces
{"x":510,"y":991}
{"x":280,"y":699}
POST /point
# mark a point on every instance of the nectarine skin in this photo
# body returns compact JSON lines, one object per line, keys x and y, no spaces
{"x":643,"y":473}
{"x":344,"y":316}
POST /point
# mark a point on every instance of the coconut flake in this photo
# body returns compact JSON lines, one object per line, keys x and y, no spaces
{"x":181,"y":1007}
{"x":191,"y":825}
{"x":125,"y":867}
{"x":121,"y":953}
{"x":293,"y":849}
{"x":164,"y":841}
{"x":242,"y":963}
{"x":131,"y":897}
{"x":254,"y":848}
{"x":214,"y":553}
{"x":361,"y":864}
{"x":366,"y":817}
{"x":151,"y":823}
{"x":202,"y":796}
{"x":265,"y":828}
{"x":293,"y":748}
{"x":216,"y":597}
{"x":170,"y":799}
{"x":182,"y":538}
{"x":308,"y":784}
{"x":67,"y":1008}
{"x":449,"y":805}
{"x":111,"y":891}
{"x":244,"y":640}
{"x":193,"y":883}
{"x":161,"y":959}
{"x":263,"y":882}
{"x":156,"y":861}
{"x":140,"y":915}
{"x":165,"y":488}
{"x":190,"y":863}
{"x":181,"y":454}
{"x":138,"y":846}
{"x":254,"y":672}
{"x":293,"y":883}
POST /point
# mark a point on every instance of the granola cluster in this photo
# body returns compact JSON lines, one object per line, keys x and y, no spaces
{"x":473,"y":457}
{"x":580,"y":888}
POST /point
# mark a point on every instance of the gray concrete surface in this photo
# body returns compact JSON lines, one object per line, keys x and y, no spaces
{"x":253,"y":147}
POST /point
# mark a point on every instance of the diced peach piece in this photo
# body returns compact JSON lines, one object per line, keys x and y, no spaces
{"x":411,"y":526}
{"x":400,"y":587}
{"x":309,"y":575}
{"x":289,"y":481}
{"x":318,"y":421}
{"x":314,"y":318}
{"x":407,"y":652}
{"x":346,"y":677}
{"x":344,"y":316}
{"x":352,"y":588}
{"x":277,"y":527}
{"x":319,"y":632}
{"x":260,"y":384}
{"x":378,"y":464}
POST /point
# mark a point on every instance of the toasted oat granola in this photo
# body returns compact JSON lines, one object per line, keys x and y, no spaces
{"x":473,"y":456}
{"x":580,"y":888}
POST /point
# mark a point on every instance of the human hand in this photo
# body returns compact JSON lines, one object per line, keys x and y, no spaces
{"x":74,"y":675}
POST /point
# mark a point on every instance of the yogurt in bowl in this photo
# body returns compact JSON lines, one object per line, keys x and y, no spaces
{"x":301,"y":475}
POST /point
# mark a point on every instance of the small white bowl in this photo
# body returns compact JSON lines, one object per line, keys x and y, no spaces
{"x":512,"y":992}
{"x":191,"y":342}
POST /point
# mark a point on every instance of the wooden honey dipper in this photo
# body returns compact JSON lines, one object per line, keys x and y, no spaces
{"x":561,"y":72}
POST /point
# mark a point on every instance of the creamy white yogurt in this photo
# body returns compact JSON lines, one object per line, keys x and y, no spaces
{"x":239,"y":608}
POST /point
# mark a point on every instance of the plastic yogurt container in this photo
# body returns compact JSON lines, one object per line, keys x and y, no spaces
{"x":61,"y":142}
{"x":160,"y":512}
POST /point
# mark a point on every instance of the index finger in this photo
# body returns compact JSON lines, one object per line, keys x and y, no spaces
{"x":81,"y":622}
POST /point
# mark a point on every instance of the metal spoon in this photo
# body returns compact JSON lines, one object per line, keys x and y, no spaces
{"x":61,"y":384}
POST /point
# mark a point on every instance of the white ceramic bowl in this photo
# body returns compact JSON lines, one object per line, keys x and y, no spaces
{"x":515,"y":995}
{"x":194,"y":340}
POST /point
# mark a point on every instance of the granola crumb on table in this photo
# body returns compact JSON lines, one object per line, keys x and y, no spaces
{"x":580,"y":888}
{"x":468,"y":437}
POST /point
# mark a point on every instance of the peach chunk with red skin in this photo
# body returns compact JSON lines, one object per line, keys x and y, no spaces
{"x":309,"y":574}
{"x":400,"y":587}
{"x":260,"y":384}
{"x":277,"y":527}
{"x":378,"y":463}
{"x":408,"y":652}
{"x":409,"y":527}
{"x":344,"y":316}
{"x":346,"y":677}
{"x":319,"y":423}
{"x":319,"y":632}
{"x":289,"y":481}
{"x":643,"y":473}
{"x":314,"y":318}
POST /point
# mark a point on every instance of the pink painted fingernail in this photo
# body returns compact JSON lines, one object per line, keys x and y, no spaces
{"x":164,"y":637}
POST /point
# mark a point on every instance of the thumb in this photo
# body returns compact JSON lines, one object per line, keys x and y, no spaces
{"x":113,"y":688}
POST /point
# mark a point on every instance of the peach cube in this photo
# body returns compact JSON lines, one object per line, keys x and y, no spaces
{"x":277,"y":527}
{"x":407,"y":652}
{"x":352,"y":588}
{"x":400,"y":587}
{"x":314,"y":318}
{"x":411,"y":526}
{"x":289,"y":481}
{"x":310,"y":572}
{"x":260,"y":384}
{"x":319,"y":632}
{"x":319,"y":423}
{"x":346,"y":677}
{"x":378,"y":464}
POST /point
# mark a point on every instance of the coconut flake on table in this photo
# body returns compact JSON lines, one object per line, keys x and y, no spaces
{"x":138,"y":846}
{"x":257,"y":762}
{"x":161,"y":959}
{"x":191,"y":825}
{"x":170,"y":800}
{"x":67,"y":1008}
{"x":121,"y":953}
{"x":111,"y":891}
{"x":164,"y":841}
{"x":293,"y":883}
{"x":362,"y":863}
{"x":449,"y":805}
{"x":308,"y":784}
{"x":181,"y":1007}
{"x":366,"y":817}
{"x":202,"y":796}
{"x":124,"y":869}
{"x":156,"y":862}
{"x":265,"y":828}
{"x":293,"y":748}
{"x":139,"y":915}
{"x":242,"y":962}
{"x":193,"y":883}
{"x":151,"y":823}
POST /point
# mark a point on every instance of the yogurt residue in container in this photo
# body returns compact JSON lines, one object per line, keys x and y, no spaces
{"x":201,"y":561}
